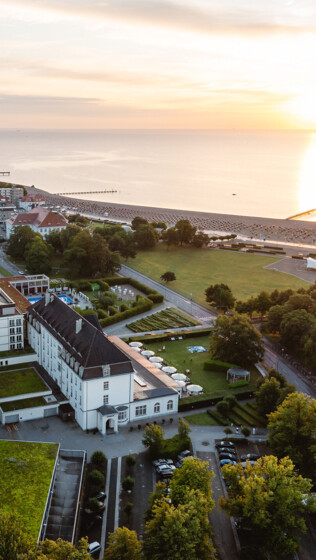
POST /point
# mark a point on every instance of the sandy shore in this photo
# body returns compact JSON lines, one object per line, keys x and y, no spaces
{"x":290,"y":231}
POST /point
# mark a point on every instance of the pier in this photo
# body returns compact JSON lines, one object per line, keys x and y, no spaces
{"x":85,"y":192}
{"x":302,"y":215}
{"x":5,"y":173}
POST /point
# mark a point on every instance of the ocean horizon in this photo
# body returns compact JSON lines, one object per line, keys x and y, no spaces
{"x":267,"y":174}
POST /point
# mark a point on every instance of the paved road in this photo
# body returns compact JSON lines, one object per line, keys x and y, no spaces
{"x":8,"y":265}
{"x":184,"y":303}
{"x":275,"y":360}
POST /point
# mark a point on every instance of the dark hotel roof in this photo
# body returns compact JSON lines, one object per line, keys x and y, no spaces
{"x":90,"y":347}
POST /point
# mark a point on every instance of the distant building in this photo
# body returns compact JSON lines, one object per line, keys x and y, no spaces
{"x":13,"y":194}
{"x":30,"y":201}
{"x":39,"y":219}
{"x":11,"y":324}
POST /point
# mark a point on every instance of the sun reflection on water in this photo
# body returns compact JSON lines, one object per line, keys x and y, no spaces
{"x":307,"y":181}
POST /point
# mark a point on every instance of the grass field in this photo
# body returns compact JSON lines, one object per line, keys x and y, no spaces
{"x":4,"y":272}
{"x":26,"y":470}
{"x":240,"y":415}
{"x":20,"y":382}
{"x":22,"y":403}
{"x":177,"y":355}
{"x":196,"y":269}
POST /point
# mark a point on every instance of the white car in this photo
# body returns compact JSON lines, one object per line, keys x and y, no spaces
{"x":94,"y":547}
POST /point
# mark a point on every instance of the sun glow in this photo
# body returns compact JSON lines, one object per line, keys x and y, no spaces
{"x":307,"y":180}
{"x":303,"y":107}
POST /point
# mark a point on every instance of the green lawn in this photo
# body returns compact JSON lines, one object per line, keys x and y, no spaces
{"x":20,"y":382}
{"x":201,"y":419}
{"x":23,"y":403}
{"x":4,"y":272}
{"x":240,"y":415}
{"x":177,"y":355}
{"x":196,"y":269}
{"x":26,"y":470}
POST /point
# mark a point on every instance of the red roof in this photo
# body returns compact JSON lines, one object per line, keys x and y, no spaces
{"x":39,"y":217}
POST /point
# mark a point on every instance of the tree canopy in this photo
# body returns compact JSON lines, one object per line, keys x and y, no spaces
{"x":168,"y":277}
{"x":267,"y":499}
{"x":236,"y":340}
{"x":123,"y":544}
{"x":220,"y":295}
{"x":292,"y":432}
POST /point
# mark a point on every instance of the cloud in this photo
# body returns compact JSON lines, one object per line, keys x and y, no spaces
{"x":204,"y":16}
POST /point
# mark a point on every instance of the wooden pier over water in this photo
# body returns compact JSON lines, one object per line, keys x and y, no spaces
{"x":5,"y":173}
{"x":85,"y":192}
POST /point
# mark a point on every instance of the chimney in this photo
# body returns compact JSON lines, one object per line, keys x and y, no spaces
{"x":78,"y":325}
{"x":47,"y":298}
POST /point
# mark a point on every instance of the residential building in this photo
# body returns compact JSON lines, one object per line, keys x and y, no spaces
{"x":39,"y":219}
{"x":30,"y":201}
{"x":11,"y":324}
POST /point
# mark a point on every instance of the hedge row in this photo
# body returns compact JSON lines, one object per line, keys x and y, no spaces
{"x":210,"y":399}
{"x":168,"y":336}
{"x":165,"y":319}
{"x":217,"y":365}
{"x":143,"y":304}
{"x":152,"y":294}
{"x":297,"y":257}
{"x":173,"y":446}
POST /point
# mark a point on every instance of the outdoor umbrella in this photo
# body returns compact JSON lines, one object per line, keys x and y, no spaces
{"x":147,"y":353}
{"x":136,"y":344}
{"x":194,"y":389}
{"x":179,"y":377}
{"x":169,"y":369}
{"x":156,"y":359}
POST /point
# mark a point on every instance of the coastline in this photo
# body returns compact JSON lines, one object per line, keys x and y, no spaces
{"x":252,"y":227}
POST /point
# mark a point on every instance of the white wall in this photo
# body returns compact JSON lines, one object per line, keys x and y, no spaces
{"x":150,"y":405}
{"x":10,"y":322}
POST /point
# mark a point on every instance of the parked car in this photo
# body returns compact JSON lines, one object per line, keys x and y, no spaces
{"x":89,"y":511}
{"x":231,"y":456}
{"x":162,"y":462}
{"x":245,"y":463}
{"x":224,"y":462}
{"x":226,"y":450}
{"x":163,"y":468}
{"x":250,"y":456}
{"x":101,"y":496}
{"x":94,"y":547}
{"x":184,"y":454}
{"x":224,"y":444}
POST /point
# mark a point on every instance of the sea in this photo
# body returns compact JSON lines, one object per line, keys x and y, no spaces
{"x":267,"y":174}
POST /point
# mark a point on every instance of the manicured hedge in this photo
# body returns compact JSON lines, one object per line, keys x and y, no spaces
{"x":141,"y":306}
{"x":217,"y":365}
{"x":168,"y":336}
{"x":173,"y":446}
{"x":152,"y":294}
{"x":210,"y":399}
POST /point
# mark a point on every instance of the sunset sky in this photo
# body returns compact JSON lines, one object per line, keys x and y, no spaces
{"x":188,"y":64}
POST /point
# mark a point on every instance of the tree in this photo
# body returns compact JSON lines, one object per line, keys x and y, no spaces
{"x":295,"y":326}
{"x":267,"y":499}
{"x":183,"y":429}
{"x":292,"y":429}
{"x":67,"y":234}
{"x":275,"y":316}
{"x":170,"y":236}
{"x":236,"y":340}
{"x":123,"y":544}
{"x":200,"y":239}
{"x":62,"y":550}
{"x":15,"y":544}
{"x":98,"y":458}
{"x":53,"y":239}
{"x":96,"y":477}
{"x":145,"y":236}
{"x":137,"y":222}
{"x":193,"y":475}
{"x":152,"y":439}
{"x":223,"y":408}
{"x":168,"y":277}
{"x":220,"y":295}
{"x":263,"y":303}
{"x":185,"y":231}
{"x":20,"y":239}
{"x":128,"y":483}
{"x":38,"y":257}
{"x":267,"y":396}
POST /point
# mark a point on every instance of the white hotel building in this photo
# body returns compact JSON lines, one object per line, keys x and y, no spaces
{"x":105,"y":382}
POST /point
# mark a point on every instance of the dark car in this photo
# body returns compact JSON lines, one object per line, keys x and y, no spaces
{"x":159,"y":462}
{"x":231,"y":456}
{"x":224,"y":444}
{"x":101,"y":496}
{"x":226,"y":450}
{"x":224,"y":462}
{"x":250,"y":457}
{"x":184,"y":454}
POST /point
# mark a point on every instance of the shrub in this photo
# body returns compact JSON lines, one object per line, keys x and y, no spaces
{"x":155,"y":297}
{"x":240,"y":383}
{"x":171,"y":447}
{"x":112,"y":310}
{"x":128,"y":508}
{"x":99,"y":458}
{"x":94,"y":505}
{"x":124,"y":307}
{"x":102,"y":314}
{"x":228,"y":430}
{"x":130,"y":460}
{"x":96,"y":478}
{"x":217,"y":365}
{"x":231,"y":400}
{"x":245,"y":431}
{"x":128,"y":483}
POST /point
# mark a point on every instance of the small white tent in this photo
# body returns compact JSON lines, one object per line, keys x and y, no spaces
{"x":310,"y":264}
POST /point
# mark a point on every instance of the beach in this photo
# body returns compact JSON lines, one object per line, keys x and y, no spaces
{"x":269,"y":229}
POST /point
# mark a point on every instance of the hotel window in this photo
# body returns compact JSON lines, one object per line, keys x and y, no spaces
{"x":12,"y":339}
{"x":11,"y":323}
{"x":105,"y":385}
{"x":12,"y":330}
{"x":18,"y":322}
{"x":19,"y":330}
{"x":12,"y":346}
{"x":19,"y":345}
{"x":105,"y":399}
{"x":157,"y":408}
{"x":140,"y":410}
{"x":170,"y":405}
{"x":19,"y":338}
